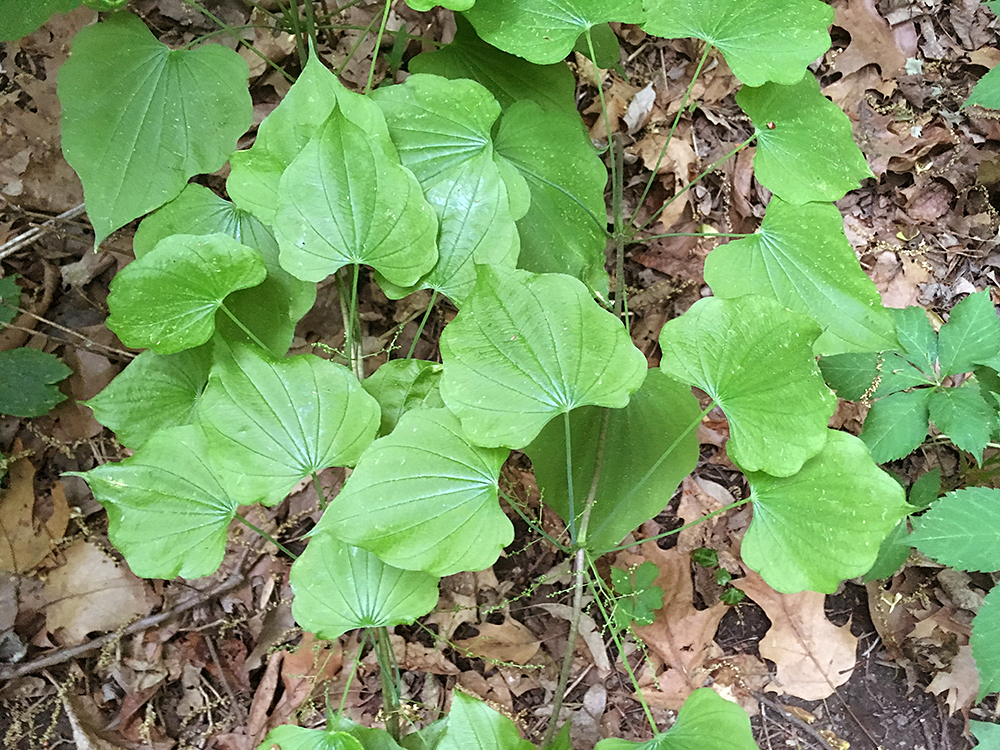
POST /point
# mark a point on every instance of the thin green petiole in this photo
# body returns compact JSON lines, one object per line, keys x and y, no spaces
{"x":247,"y":331}
{"x":704,"y":518}
{"x":319,"y":491}
{"x":378,"y":43}
{"x":706,"y":235}
{"x":423,"y":322}
{"x":267,"y":536}
{"x":350,"y":679}
{"x":569,"y":480}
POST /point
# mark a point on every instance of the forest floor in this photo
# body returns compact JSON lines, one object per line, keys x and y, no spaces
{"x":93,"y":656}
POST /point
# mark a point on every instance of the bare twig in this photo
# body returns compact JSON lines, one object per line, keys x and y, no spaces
{"x":24,"y":239}
{"x":794,"y":720}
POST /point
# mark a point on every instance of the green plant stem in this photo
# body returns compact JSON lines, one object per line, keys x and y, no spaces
{"x":512,"y":502}
{"x":354,"y":47}
{"x":617,"y":175}
{"x":595,"y":481}
{"x":295,"y":18}
{"x":349,"y":312}
{"x":378,"y":43}
{"x":227,"y":29}
{"x":704,"y":518}
{"x":350,"y":679}
{"x":311,"y":24}
{"x":673,"y":126}
{"x":267,"y":536}
{"x":567,"y":664}
{"x":319,"y":491}
{"x":423,"y":322}
{"x":243,"y":328}
{"x":706,"y":235}
{"x":571,"y":520}
{"x":387,"y":669}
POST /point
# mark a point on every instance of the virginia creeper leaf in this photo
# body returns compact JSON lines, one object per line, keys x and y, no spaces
{"x":167,"y":300}
{"x":339,"y":588}
{"x":270,"y":309}
{"x":917,"y":337}
{"x":279,"y":420}
{"x":638,"y":474}
{"x":801,"y":258}
{"x":564,"y":229}
{"x":852,"y":506}
{"x":896,"y":425}
{"x":706,"y":721}
{"x":544,"y":31}
{"x":401,"y":385}
{"x":154,"y":392}
{"x":851,"y":375}
{"x":28,"y":380}
{"x":892,"y":553}
{"x":986,"y":92}
{"x":962,"y":530}
{"x":19,"y":18}
{"x":527,"y":347}
{"x":343,"y":201}
{"x":140,"y":119}
{"x":964,"y":416}
{"x":985,"y":643}
{"x":291,"y":737}
{"x":758,"y":38}
{"x":168,"y":505}
{"x":754,"y":358}
{"x":971,"y":335}
{"x":424,"y":498}
{"x":809,"y":154}
{"x":508,"y":77}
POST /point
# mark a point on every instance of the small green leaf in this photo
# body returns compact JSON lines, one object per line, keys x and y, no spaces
{"x":339,"y":588}
{"x":607,"y":48}
{"x":10,"y":298}
{"x":649,"y":447}
{"x":964,"y":416}
{"x":892,"y":553}
{"x":473,"y":724}
{"x":545,"y":31}
{"x":962,"y":530}
{"x":971,"y":336}
{"x":28,"y":380}
{"x":809,"y":155}
{"x":422,"y":5}
{"x":291,"y":737}
{"x":801,"y":258}
{"x":526,"y":348}
{"x":896,"y":425}
{"x":562,"y":740}
{"x":705,"y":557}
{"x":851,"y":375}
{"x":638,"y":597}
{"x":279,"y":420}
{"x":372,"y":739}
{"x":925,"y":490}
{"x":986,"y":92}
{"x":167,"y":300}
{"x":706,"y":721}
{"x":508,"y":77}
{"x":985,"y":642}
{"x":987,"y":734}
{"x":140,"y":119}
{"x":154,"y":392}
{"x":401,"y":385}
{"x":168,"y":505}
{"x":754,"y":358}
{"x":564,"y":230}
{"x":917,"y":336}
{"x":424,"y":498}
{"x":898,"y":374}
{"x":853,"y":505}
{"x":18,"y":18}
{"x":732,"y":596}
{"x":344,"y":201}
{"x":760,"y":40}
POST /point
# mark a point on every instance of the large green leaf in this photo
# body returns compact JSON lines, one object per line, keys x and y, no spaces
{"x":372,"y":738}
{"x":962,"y":530}
{"x":424,"y":498}
{"x":270,"y":309}
{"x":508,"y":78}
{"x":442,"y":131}
{"x":167,"y":300}
{"x":763,"y":40}
{"x":801,"y":258}
{"x":401,"y":385}
{"x":754,"y":358}
{"x":28,"y":380}
{"x":964,"y":416}
{"x":291,"y":737}
{"x":140,"y":119}
{"x":986,"y":733}
{"x":471,"y":725}
{"x":824,"y":524}
{"x":986,"y":92}
{"x":343,"y":200}
{"x":154,"y":392}
{"x":971,"y":336}
{"x":280,"y":420}
{"x":526,"y":348}
{"x":896,"y":425}
{"x":168,"y":505}
{"x":805,"y":150}
{"x":649,"y":447}
{"x":706,"y":721}
{"x":564,"y":230}
{"x":18,"y":18}
{"x":339,"y":588}
{"x":545,"y":31}
{"x":985,"y":643}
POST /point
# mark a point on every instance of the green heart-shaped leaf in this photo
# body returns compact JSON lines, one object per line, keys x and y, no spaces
{"x":279,"y":420}
{"x":754,"y":358}
{"x":801,"y":258}
{"x":167,"y":300}
{"x":140,"y":119}
{"x":852,"y":507}
{"x":291,"y":737}
{"x":401,"y":385}
{"x":544,"y":31}
{"x":649,"y":447}
{"x":343,"y":201}
{"x":526,"y":348}
{"x":169,"y":506}
{"x":154,"y":392}
{"x":805,"y":149}
{"x":760,"y":41}
{"x":19,"y":18}
{"x":473,"y":724}
{"x":424,"y":498}
{"x":339,"y":588}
